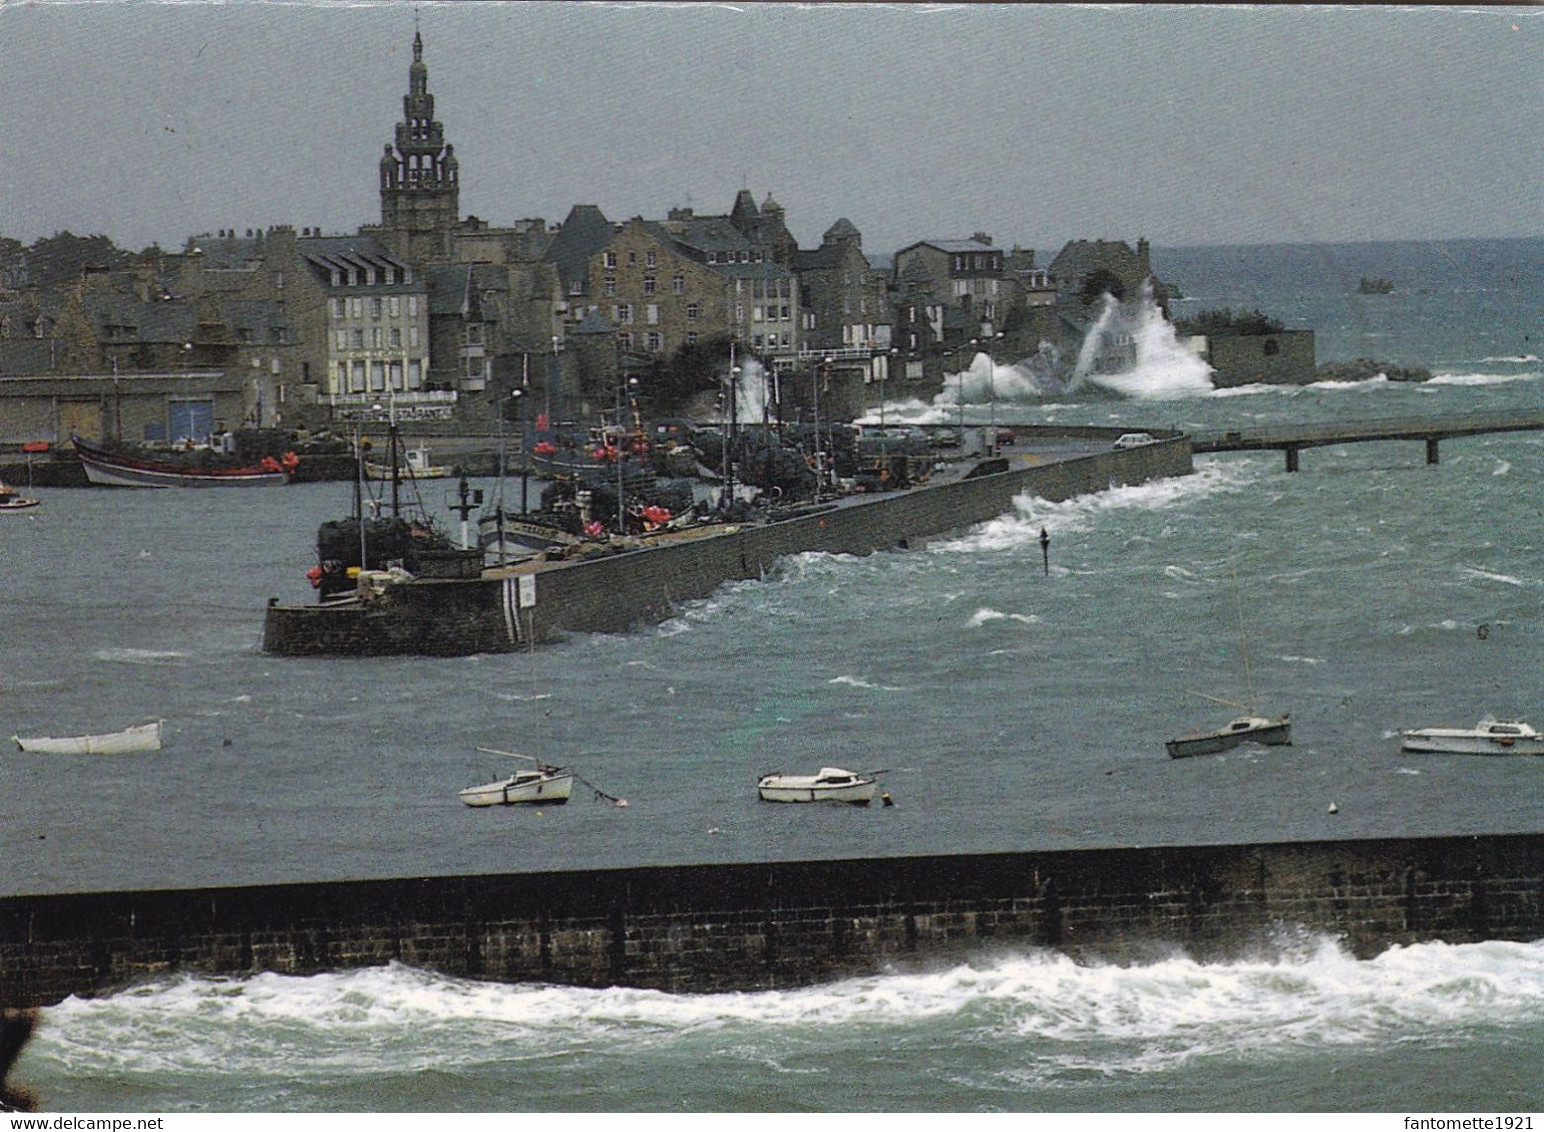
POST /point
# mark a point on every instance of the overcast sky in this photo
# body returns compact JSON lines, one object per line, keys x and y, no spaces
{"x":152,"y":122}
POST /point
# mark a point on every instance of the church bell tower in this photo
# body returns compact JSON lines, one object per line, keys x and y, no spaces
{"x":420,"y":178}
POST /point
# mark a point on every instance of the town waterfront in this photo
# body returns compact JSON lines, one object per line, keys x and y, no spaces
{"x":1010,"y":709}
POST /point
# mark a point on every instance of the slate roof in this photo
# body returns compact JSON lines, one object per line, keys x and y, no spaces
{"x":585,"y":232}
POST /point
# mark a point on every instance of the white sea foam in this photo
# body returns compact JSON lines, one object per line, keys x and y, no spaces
{"x":1490,"y":576}
{"x":138,"y":656}
{"x":1022,"y":526}
{"x":1070,"y":1018}
{"x":859,"y":682}
{"x":985,"y":616}
{"x":1480,"y":378}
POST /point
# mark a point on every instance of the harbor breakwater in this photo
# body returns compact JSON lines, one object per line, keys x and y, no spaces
{"x":704,"y":928}
{"x":508,"y":610}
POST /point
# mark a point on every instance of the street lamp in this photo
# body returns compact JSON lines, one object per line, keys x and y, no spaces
{"x":825,"y":373}
{"x":519,"y":398}
{"x":631,"y":385}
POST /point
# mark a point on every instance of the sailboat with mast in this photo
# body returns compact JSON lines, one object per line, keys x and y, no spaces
{"x":1251,"y":727}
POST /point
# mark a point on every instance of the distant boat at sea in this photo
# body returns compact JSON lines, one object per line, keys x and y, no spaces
{"x":1379,"y":286}
{"x":129,"y":741}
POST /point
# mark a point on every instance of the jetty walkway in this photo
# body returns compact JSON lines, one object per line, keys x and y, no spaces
{"x":1292,"y":439}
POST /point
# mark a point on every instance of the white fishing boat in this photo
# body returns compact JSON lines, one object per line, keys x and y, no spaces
{"x":129,"y":741}
{"x":1487,"y":737}
{"x":832,"y":784}
{"x":546,"y":785}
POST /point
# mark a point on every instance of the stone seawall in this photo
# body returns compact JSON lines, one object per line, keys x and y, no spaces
{"x":623,"y":591}
{"x":739,"y":927}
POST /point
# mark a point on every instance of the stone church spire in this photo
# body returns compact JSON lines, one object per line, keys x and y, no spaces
{"x":420,"y":176}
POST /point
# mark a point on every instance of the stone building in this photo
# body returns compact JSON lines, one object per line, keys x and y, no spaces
{"x":846,"y":302}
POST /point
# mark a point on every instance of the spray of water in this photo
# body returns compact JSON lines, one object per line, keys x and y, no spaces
{"x":1163,"y":369}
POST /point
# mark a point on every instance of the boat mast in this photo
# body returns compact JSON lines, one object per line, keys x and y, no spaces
{"x":1243,"y":645}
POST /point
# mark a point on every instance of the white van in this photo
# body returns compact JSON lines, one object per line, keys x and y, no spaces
{"x":1134,"y":440}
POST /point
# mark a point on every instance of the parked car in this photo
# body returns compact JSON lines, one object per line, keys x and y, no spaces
{"x":1134,"y":440}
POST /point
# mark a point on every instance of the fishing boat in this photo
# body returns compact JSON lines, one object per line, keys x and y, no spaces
{"x":832,"y":784}
{"x":415,"y":465}
{"x":1487,"y":737}
{"x":111,"y":467}
{"x":1250,"y":727}
{"x":13,"y":500}
{"x":1246,"y":729}
{"x":129,"y":741}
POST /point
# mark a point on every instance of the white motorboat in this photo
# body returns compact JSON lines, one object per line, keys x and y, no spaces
{"x":1487,"y":737}
{"x":1246,"y":729}
{"x":545,"y":785}
{"x":131,"y":740}
{"x":832,"y":784}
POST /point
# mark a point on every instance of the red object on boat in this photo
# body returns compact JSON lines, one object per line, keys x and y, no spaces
{"x":35,"y":446}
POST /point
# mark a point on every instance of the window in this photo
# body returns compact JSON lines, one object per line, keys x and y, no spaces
{"x":375,"y":337}
{"x":415,"y":377}
{"x":375,"y":308}
{"x":632,"y":259}
{"x":396,"y":306}
{"x":278,"y":280}
{"x":412,"y":306}
{"x":648,"y":259}
{"x":357,"y":381}
{"x":691,"y":337}
{"x":359,"y":339}
{"x":356,"y":307}
{"x":739,"y":312}
{"x":342,"y":377}
{"x":624,"y":312}
{"x":396,"y":336}
{"x":576,"y":287}
{"x":625,"y":338}
{"x":611,"y":287}
{"x":691,"y":310}
{"x":396,"y":375}
{"x":377,"y":376}
{"x":611,"y":259}
{"x":651,"y":313}
{"x":648,"y":285}
{"x":412,"y":337}
{"x":678,"y":284}
{"x":369,"y":277}
{"x":656,"y":341}
{"x":1271,"y":347}
{"x":340,"y":308}
{"x":391,"y":276}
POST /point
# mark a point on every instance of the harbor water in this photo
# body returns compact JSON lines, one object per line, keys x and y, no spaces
{"x":1009,"y":707}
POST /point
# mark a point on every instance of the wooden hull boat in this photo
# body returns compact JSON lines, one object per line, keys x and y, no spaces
{"x":115,"y":469}
{"x":131,"y":740}
{"x":1246,"y":729}
{"x":832,"y":784}
{"x":1488,"y":737}
{"x":545,"y":785}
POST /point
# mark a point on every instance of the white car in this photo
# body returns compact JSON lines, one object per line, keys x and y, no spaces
{"x":1134,"y":440}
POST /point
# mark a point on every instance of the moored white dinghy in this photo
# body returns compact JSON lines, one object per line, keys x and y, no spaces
{"x":1487,"y":737}
{"x":129,"y":741}
{"x":832,"y":784}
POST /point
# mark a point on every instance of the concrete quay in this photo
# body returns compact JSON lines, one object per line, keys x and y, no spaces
{"x":514,"y":608}
{"x":703,"y":928}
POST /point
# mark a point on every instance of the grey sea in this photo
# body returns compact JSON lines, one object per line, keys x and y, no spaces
{"x":1009,"y":710}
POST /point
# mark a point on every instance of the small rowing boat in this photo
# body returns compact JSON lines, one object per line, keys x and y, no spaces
{"x":129,"y":741}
